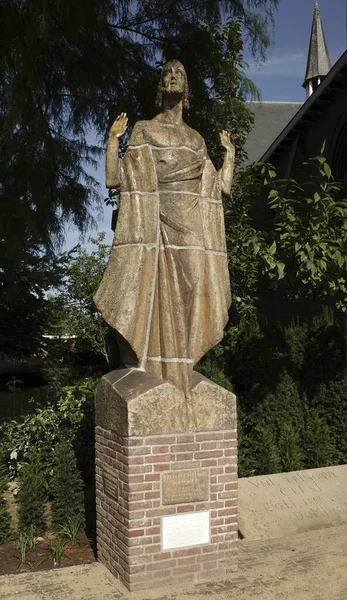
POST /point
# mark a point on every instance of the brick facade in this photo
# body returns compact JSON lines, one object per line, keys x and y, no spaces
{"x":130,"y":510}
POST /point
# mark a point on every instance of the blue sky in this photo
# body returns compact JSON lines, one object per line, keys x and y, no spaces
{"x":281,"y":77}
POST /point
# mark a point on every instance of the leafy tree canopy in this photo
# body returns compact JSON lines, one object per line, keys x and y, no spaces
{"x":67,"y":69}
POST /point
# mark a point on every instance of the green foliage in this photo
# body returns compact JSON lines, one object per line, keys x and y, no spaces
{"x":266,"y":458}
{"x":63,"y":417}
{"x":67,"y":489}
{"x":32,"y":495}
{"x":292,"y":396}
{"x":307,"y":243}
{"x":71,"y":528}
{"x":72,"y":310}
{"x":30,"y":535}
{"x":211,"y":370}
{"x":57,"y":551}
{"x":289,"y":446}
{"x":22,"y":548}
{"x":5,"y":517}
{"x":67,"y":70}
{"x":318,"y":442}
{"x":244,"y":242}
{"x":331,"y":404}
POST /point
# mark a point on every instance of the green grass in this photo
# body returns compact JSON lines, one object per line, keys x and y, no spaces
{"x":23,"y":404}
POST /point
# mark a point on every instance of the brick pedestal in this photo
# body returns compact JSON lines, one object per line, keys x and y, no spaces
{"x":160,"y":455}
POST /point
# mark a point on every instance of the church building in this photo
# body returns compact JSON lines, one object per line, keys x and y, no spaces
{"x":286,"y":133}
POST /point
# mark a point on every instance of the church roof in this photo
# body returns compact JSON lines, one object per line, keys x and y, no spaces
{"x":270,"y":118}
{"x":318,"y":62}
{"x":333,"y":84}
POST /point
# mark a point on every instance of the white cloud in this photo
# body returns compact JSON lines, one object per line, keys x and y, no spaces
{"x":287,"y":65}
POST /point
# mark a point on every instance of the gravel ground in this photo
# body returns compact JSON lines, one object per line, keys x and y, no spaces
{"x":308,"y":566}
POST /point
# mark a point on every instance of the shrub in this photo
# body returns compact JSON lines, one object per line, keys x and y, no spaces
{"x":67,"y":488}
{"x":5,"y":517}
{"x":266,"y":457}
{"x":318,"y":442}
{"x":61,"y":418}
{"x":31,"y":495}
{"x":289,"y":446}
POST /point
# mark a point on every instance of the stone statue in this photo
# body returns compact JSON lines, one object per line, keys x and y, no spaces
{"x":166,"y":288}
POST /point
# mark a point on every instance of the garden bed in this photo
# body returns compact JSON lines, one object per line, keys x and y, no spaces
{"x":42,"y":556}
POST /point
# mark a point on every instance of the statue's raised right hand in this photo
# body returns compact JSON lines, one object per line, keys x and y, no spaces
{"x":120,"y":125}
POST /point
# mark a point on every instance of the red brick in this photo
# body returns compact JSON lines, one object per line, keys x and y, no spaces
{"x":208,"y":454}
{"x":152,"y":495}
{"x":134,"y":496}
{"x":186,"y":560}
{"x":135,"y":441}
{"x":140,"y":469}
{"x":152,"y":477}
{"x":139,"y":487}
{"x":159,"y":458}
{"x":156,"y":548}
{"x":184,"y":508}
{"x":184,"y":447}
{"x":139,"y":450}
{"x":161,"y":564}
{"x":184,"y":438}
{"x":153,"y":531}
{"x":160,"y":449}
{"x":160,"y":467}
{"x":185,"y":456}
{"x":158,"y":441}
{"x":209,"y":437}
{"x":230,"y":435}
{"x":231,"y":469}
{"x":226,"y":478}
{"x":188,"y":464}
{"x":136,"y":532}
{"x":188,"y":551}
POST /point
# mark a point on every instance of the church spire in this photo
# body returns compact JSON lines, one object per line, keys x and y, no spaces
{"x":318,"y":62}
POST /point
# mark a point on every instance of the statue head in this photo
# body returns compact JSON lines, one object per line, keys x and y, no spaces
{"x":173,"y":80}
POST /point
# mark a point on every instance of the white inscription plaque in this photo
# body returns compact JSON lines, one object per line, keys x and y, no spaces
{"x":189,"y":529}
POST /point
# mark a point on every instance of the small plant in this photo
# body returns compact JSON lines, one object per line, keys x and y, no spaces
{"x":57,"y":552}
{"x":71,"y":528}
{"x":31,"y":537}
{"x":22,"y":546}
{"x":31,"y":496}
{"x":67,"y":488}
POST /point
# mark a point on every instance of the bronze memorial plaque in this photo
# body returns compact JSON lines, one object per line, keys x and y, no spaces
{"x":185,"y":486}
{"x":110,"y":478}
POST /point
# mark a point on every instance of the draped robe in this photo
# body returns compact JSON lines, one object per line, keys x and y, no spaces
{"x":166,"y":288}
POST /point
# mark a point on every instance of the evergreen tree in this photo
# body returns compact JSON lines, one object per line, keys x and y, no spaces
{"x":31,"y":495}
{"x":67,"y":487}
{"x":331,"y":401}
{"x":318,"y":443}
{"x":266,"y":458}
{"x":289,"y":446}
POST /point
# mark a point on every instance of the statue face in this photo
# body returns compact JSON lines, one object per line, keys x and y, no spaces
{"x":173,"y":78}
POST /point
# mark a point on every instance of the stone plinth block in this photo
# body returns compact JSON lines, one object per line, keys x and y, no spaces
{"x":166,"y":479}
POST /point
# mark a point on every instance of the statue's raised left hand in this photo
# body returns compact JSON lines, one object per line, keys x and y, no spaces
{"x":225,"y":141}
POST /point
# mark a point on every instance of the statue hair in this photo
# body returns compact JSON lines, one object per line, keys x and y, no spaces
{"x":159,"y":98}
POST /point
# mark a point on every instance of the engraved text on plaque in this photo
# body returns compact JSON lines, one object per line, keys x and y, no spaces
{"x":110,"y":478}
{"x":185,"y":486}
